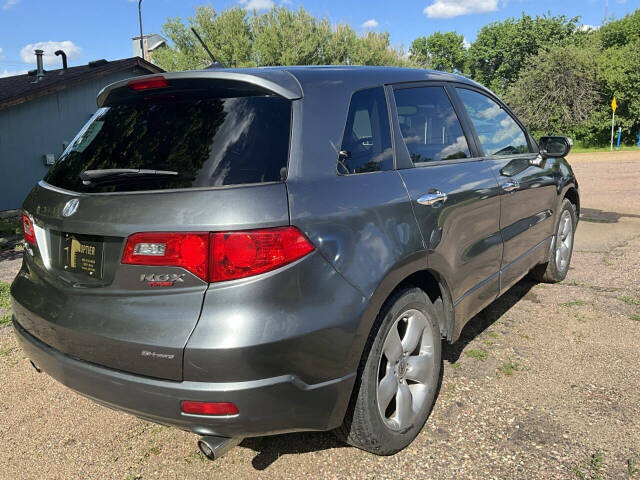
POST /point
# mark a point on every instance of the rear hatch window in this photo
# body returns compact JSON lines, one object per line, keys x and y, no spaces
{"x":178,"y":141}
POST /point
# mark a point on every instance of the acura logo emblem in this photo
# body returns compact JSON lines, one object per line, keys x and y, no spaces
{"x":70,"y":208}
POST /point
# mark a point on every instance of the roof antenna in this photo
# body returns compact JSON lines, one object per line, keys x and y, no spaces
{"x":214,"y":63}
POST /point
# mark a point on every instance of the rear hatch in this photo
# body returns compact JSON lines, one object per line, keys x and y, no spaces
{"x":180,"y":157}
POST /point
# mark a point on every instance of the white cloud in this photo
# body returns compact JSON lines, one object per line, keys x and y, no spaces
{"x":1,"y":55}
{"x":10,"y":3}
{"x":7,"y":73}
{"x":372,"y":23}
{"x":257,"y":4}
{"x":454,"y":8}
{"x":586,"y":28}
{"x":466,"y":43}
{"x":50,"y":47}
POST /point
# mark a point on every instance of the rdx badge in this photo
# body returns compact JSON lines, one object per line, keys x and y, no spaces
{"x":162,"y":279}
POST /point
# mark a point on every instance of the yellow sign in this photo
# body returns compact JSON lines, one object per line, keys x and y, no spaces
{"x":614,"y":104}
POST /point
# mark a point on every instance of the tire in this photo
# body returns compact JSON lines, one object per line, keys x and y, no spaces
{"x":556,"y":268}
{"x":415,"y":377}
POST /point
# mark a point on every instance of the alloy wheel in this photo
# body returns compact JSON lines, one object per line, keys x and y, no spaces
{"x":406,"y":369}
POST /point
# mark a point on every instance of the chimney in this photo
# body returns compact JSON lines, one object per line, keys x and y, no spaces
{"x":40,"y":68}
{"x":64,"y":58}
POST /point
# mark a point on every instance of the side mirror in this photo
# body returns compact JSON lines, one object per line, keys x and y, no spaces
{"x":343,"y":157}
{"x":555,"y":147}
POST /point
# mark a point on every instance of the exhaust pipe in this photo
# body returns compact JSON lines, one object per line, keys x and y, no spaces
{"x":215,"y":447}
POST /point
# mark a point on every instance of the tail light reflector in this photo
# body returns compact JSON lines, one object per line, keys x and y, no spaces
{"x":150,"y":83}
{"x":28,"y":230}
{"x":208,"y":408}
{"x":219,"y":256}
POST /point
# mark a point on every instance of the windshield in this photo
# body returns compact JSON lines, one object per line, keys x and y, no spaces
{"x":165,"y":143}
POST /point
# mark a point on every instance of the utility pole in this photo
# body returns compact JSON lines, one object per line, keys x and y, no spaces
{"x":140,"y":18}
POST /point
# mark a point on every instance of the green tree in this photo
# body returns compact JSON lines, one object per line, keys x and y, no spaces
{"x":287,"y":37}
{"x":621,"y":32}
{"x":227,"y":35}
{"x":278,"y":37}
{"x":440,"y":51}
{"x":557,"y":89}
{"x":619,"y":77}
{"x":502,"y":48}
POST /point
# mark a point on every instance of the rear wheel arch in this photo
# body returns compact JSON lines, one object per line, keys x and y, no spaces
{"x":436,"y":288}
{"x":572,"y":195}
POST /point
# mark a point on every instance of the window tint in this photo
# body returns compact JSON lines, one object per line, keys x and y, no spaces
{"x":178,"y":142}
{"x":499,"y":134}
{"x":429,"y":125}
{"x":367,"y":139}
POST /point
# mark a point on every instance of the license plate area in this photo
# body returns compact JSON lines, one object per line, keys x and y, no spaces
{"x":82,"y":254}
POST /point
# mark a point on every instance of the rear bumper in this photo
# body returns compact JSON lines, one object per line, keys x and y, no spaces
{"x":266,"y":406}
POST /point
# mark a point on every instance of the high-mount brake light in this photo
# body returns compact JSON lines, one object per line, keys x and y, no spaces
{"x":28,"y":230}
{"x":219,"y":256}
{"x":149,"y":83}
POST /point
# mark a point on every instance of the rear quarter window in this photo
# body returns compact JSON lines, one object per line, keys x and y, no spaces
{"x":178,"y":142}
{"x":366,"y":144}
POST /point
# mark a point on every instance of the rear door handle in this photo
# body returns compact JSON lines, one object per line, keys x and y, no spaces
{"x":510,"y":186}
{"x":434,"y":197}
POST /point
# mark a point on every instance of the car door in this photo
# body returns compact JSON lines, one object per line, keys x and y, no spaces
{"x":526,"y":180}
{"x":454,"y":194}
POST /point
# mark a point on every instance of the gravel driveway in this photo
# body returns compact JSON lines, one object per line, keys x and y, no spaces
{"x":543,"y":384}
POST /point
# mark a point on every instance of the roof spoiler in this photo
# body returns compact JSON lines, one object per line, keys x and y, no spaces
{"x":267,"y":81}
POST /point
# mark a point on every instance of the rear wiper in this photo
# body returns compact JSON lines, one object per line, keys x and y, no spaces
{"x":109,"y":174}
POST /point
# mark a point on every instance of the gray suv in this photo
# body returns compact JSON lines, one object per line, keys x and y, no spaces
{"x":257,"y":251}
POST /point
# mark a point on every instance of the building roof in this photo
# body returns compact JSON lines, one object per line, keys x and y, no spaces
{"x":23,"y":88}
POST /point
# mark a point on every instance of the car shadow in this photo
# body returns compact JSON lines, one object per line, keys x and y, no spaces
{"x":487,"y":317}
{"x":595,"y":215}
{"x":271,"y":448}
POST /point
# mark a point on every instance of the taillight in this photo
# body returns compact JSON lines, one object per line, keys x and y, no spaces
{"x":243,"y":254}
{"x":187,"y":250}
{"x":27,"y":229}
{"x":208,"y":408}
{"x":150,"y":83}
{"x":219,"y":256}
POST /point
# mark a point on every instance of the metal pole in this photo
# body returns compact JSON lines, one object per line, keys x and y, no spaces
{"x":612,"y":120}
{"x":140,"y":17}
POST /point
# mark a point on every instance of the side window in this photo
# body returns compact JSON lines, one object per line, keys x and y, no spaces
{"x":429,"y":125}
{"x":367,"y":139}
{"x":499,"y":134}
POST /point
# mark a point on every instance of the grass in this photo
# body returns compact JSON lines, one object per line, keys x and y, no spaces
{"x":577,"y":148}
{"x":632,"y":468}
{"x":478,"y":354}
{"x":629,"y":301}
{"x":196,"y":456}
{"x":574,"y":303}
{"x":493,"y":334}
{"x":456,"y":366}
{"x":590,"y":468}
{"x":509,"y":367}
{"x":5,"y":351}
{"x":635,"y":317}
{"x":607,"y":262}
{"x":5,"y":304}
{"x":579,"y":317}
{"x":10,"y":227}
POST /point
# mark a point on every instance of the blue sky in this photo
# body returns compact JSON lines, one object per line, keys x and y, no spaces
{"x":93,"y":29}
